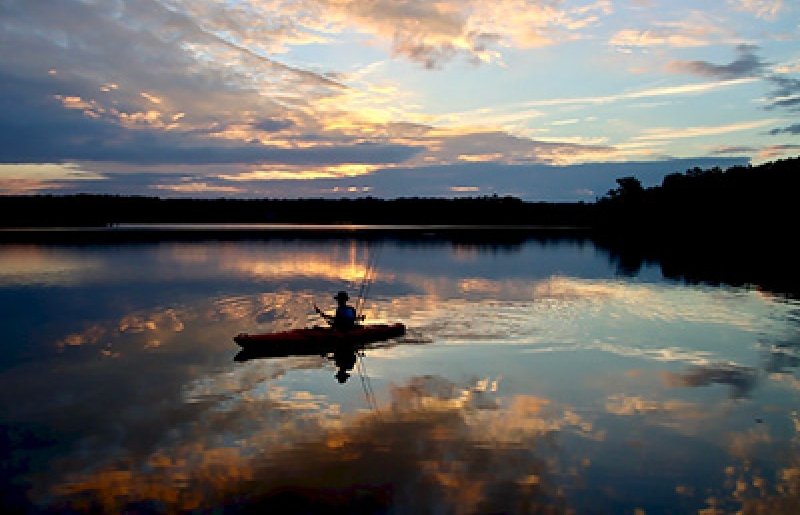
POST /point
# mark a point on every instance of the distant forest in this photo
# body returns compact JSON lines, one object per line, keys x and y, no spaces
{"x":751,"y":199}
{"x":740,"y":200}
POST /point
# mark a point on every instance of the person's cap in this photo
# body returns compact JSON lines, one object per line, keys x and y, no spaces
{"x":341,"y":295}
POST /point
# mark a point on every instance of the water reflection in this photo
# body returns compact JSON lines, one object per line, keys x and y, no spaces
{"x":437,"y":446}
{"x":28,"y":264}
{"x":343,"y":355}
{"x":547,"y":382}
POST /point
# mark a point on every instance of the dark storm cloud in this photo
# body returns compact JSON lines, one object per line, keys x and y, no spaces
{"x":748,"y":64}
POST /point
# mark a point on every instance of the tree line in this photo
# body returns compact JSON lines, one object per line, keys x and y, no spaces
{"x":104,"y":210}
{"x":739,"y":199}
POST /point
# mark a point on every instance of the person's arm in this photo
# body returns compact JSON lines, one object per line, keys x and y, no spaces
{"x":357,"y":317}
{"x":321,"y":313}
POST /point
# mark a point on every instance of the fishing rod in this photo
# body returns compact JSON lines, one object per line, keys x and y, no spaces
{"x":363,"y":293}
{"x":366,"y":384}
{"x":369,"y":276}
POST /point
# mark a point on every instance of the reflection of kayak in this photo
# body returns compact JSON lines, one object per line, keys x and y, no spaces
{"x":317,"y":339}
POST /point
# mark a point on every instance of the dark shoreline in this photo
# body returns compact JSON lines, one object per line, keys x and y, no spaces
{"x":767,"y":264}
{"x":485,"y":235}
{"x":751,"y":199}
{"x":703,"y":226}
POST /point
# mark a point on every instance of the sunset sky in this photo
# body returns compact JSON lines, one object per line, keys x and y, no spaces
{"x":543,"y":99}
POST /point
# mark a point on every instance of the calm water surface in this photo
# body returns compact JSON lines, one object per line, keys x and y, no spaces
{"x":532,"y":376}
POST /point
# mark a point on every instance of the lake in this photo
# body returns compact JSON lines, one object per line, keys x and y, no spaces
{"x":536,"y":374}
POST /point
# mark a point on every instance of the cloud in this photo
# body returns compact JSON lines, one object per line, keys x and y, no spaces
{"x":792,"y":129}
{"x":185,"y":95}
{"x":784,"y":96}
{"x":427,"y":33}
{"x":161,"y":86}
{"x":35,"y":128}
{"x":767,"y":9}
{"x":669,"y":133}
{"x":748,"y":64}
{"x":764,"y":153}
{"x":695,"y":30}
{"x":787,"y":92}
{"x":662,"y":91}
{"x":432,"y":33}
{"x":219,"y":98}
{"x":528,"y":180}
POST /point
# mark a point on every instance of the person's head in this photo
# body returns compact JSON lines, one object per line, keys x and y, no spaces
{"x":342,"y":297}
{"x":341,"y":376}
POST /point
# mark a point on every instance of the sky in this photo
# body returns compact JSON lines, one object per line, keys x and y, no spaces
{"x":541,"y":99}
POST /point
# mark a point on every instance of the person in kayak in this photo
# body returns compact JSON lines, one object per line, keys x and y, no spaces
{"x":345,"y":317}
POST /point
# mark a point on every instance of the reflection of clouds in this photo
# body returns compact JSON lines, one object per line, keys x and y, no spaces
{"x":664,"y":354}
{"x":522,"y":307}
{"x":441,"y":446}
{"x":686,"y":418}
{"x":635,"y":405}
{"x":153,"y":326}
{"x":561,"y":287}
{"x":784,"y":378}
{"x":23,"y":264}
{"x":232,"y":307}
{"x":205,"y":432}
{"x":167,"y":320}
{"x":740,"y":379}
{"x":746,"y":444}
{"x":300,"y":266}
{"x":659,"y":302}
{"x":250,"y":383}
{"x":749,"y":488}
{"x":89,"y":336}
{"x":434,"y":393}
{"x":782,"y":354}
{"x":345,"y":263}
{"x":464,"y":320}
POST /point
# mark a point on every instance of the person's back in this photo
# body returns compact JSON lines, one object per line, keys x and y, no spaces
{"x":345,"y":317}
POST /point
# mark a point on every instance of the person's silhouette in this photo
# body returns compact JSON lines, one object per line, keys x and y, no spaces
{"x":345,"y":359}
{"x":345,"y":316}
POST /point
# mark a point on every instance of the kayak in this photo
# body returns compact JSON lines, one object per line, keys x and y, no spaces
{"x":316,"y":340}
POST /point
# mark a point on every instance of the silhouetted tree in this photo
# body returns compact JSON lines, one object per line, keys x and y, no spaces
{"x":627,"y":188}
